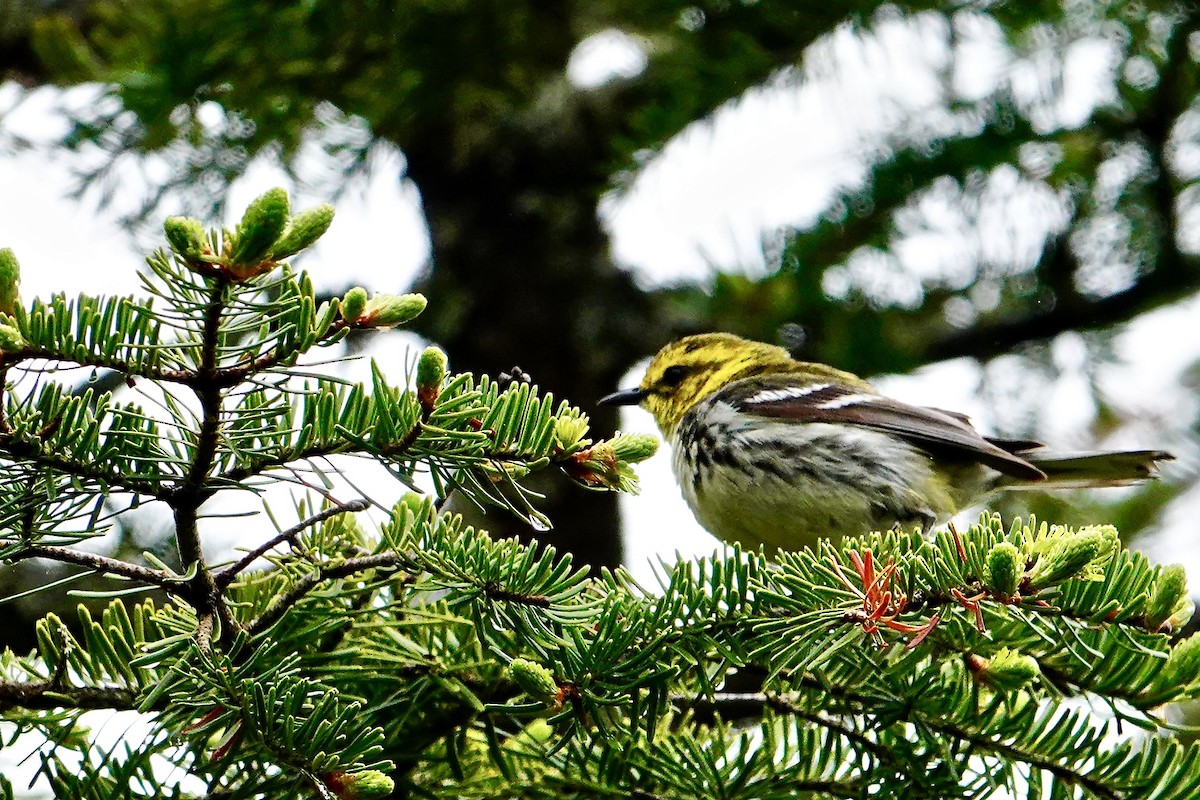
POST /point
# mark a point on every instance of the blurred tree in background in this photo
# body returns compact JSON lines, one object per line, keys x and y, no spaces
{"x":1062,"y":217}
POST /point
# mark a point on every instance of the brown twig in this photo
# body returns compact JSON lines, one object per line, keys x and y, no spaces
{"x":105,"y":565}
{"x":45,"y":695}
{"x":225,"y":576}
{"x":281,"y":604}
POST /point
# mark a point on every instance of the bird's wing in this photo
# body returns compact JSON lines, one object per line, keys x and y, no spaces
{"x":780,"y":397}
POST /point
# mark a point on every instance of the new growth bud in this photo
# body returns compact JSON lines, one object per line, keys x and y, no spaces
{"x":1082,"y":554}
{"x":303,"y":231}
{"x":1183,"y":663}
{"x":1005,"y":566}
{"x":260,"y":228}
{"x":431,"y":373}
{"x":535,"y":681}
{"x":11,"y":339}
{"x":353,"y":304}
{"x":10,"y":282}
{"x":366,"y":785}
{"x":1169,"y":605}
{"x":569,"y":431}
{"x":186,"y":237}
{"x":635,"y":447}
{"x":606,"y":464}
{"x":389,"y":310}
{"x":1007,"y":670}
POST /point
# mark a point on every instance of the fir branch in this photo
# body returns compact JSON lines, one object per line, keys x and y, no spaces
{"x":306,"y":584}
{"x":226,"y":576}
{"x":494,"y":592}
{"x":105,"y":565}
{"x":193,"y":491}
{"x":746,"y":705}
{"x":51,"y":695}
{"x":229,"y":377}
{"x":121,"y":366}
{"x":243,"y":472}
{"x":95,"y":472}
{"x":981,"y":741}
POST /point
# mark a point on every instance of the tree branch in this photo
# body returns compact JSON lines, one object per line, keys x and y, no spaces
{"x":194,"y":490}
{"x":46,"y":696}
{"x":1173,"y":276}
{"x":225,"y":576}
{"x":104,"y":565}
{"x":22,"y":450}
{"x":306,"y":584}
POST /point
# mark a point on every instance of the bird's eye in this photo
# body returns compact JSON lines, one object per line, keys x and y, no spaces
{"x":673,"y":376}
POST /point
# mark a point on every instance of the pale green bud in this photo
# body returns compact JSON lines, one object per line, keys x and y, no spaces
{"x":598,"y":466}
{"x":11,"y":339}
{"x":635,"y":447}
{"x":1183,"y":663}
{"x":388,"y":310}
{"x":1083,"y":554}
{"x":303,"y":231}
{"x":354,"y":303}
{"x":431,"y":367}
{"x":535,"y":681}
{"x":260,"y":228}
{"x":1005,"y":566}
{"x":1007,"y":670}
{"x":431,"y":372}
{"x":1168,"y":598}
{"x":186,"y":236}
{"x":569,"y":431}
{"x":10,"y":282}
{"x":366,"y":785}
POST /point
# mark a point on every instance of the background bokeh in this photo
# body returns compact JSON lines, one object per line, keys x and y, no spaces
{"x":989,"y":207}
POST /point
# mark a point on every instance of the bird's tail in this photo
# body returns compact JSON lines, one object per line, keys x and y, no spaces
{"x":1089,"y":470}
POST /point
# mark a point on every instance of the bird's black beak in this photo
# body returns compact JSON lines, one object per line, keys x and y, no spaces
{"x":625,"y":397}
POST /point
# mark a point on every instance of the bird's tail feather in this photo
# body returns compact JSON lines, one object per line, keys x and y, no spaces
{"x":1089,"y":469}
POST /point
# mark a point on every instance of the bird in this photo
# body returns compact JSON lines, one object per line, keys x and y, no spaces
{"x":778,"y":453}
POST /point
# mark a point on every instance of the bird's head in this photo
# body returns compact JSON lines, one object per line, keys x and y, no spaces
{"x":688,"y":370}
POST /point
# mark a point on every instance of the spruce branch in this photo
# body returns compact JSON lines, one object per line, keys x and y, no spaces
{"x":893,"y":660}
{"x":186,"y":499}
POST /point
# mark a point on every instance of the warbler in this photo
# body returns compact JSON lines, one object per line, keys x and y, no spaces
{"x":777,"y":452}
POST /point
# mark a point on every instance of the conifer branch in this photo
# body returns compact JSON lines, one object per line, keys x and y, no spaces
{"x":32,"y":452}
{"x":229,"y":377}
{"x":750,"y":705}
{"x":104,"y":565}
{"x":313,"y":673}
{"x":225,"y":576}
{"x":50,"y":695}
{"x":193,"y":492}
{"x":243,"y":472}
{"x":1073,"y":777}
{"x":310,"y":581}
